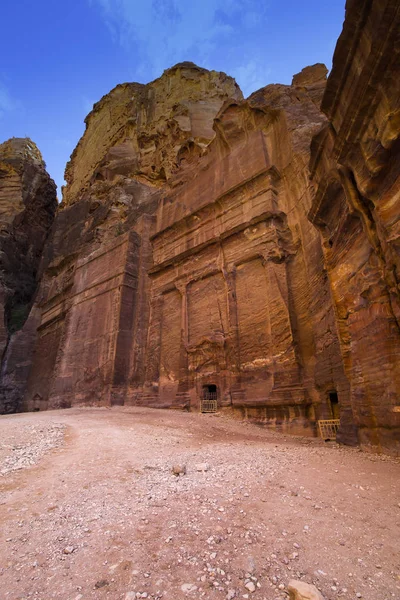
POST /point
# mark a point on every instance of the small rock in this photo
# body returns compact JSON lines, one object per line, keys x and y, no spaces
{"x":202,"y":467}
{"x":69,"y":550}
{"x":230,"y":595}
{"x":100,"y":584}
{"x":130,"y":596}
{"x":187,"y":588}
{"x":179,"y":469}
{"x":250,"y":586}
{"x":299,"y":590}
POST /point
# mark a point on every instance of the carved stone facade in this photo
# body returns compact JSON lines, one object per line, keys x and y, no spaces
{"x":211,"y":285}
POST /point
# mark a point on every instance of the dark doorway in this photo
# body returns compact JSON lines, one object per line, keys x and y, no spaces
{"x":210,"y":392}
{"x":334,"y":402}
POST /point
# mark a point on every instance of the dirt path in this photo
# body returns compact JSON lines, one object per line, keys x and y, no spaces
{"x":101,"y":515}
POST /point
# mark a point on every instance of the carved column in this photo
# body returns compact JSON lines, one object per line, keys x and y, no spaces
{"x":286,"y":372}
{"x":232,"y":342}
{"x":154,"y":341}
{"x":183,"y":386}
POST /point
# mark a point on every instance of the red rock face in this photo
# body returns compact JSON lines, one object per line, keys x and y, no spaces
{"x":230,"y":291}
{"x":356,"y":168}
{"x":157,"y":286}
{"x":192,"y":255}
{"x":27,"y":206}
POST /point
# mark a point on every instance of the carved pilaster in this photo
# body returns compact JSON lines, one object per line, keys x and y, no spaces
{"x":233,"y":342}
{"x":282,"y":342}
{"x":154,"y":340}
{"x":181,"y":286}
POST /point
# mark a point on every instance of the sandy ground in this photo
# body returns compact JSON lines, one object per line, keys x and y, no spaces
{"x":89,"y":508}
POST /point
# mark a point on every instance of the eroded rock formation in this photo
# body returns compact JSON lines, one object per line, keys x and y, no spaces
{"x":192,"y":255}
{"x":28,"y":203}
{"x":356,"y":167}
{"x":182,"y":256}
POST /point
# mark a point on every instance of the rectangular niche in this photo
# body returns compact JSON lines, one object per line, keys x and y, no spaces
{"x":253,"y":314}
{"x":207,"y":309}
{"x":170,"y":342}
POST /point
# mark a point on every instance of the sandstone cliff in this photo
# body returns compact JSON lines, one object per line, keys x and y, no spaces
{"x":27,"y":206}
{"x":138,"y":130}
{"x":134,"y":141}
{"x":356,"y":167}
{"x":182,"y":257}
{"x":192,"y":257}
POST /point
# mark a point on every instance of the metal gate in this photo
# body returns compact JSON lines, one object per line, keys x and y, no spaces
{"x":209,"y":402}
{"x":328,"y":428}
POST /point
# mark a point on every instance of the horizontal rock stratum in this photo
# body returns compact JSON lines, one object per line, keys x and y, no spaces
{"x":193,"y":259}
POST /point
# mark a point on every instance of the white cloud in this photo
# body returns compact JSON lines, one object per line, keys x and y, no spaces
{"x":251,"y":76}
{"x":164,"y":32}
{"x":7,"y":102}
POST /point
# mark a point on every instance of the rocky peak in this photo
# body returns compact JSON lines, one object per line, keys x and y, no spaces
{"x":137,"y":131}
{"x":310,"y":76}
{"x":20,"y":149}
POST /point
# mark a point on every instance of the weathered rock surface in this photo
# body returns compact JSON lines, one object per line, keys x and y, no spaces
{"x":356,"y":168}
{"x":138,"y":130}
{"x":189,"y":262}
{"x":27,"y":206}
{"x":235,"y":257}
{"x":94,"y":289}
{"x":192,"y":258}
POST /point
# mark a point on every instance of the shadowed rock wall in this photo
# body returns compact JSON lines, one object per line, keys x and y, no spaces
{"x":356,"y":167}
{"x":28,"y":203}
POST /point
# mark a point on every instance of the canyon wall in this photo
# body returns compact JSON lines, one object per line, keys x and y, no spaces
{"x":28,"y":203}
{"x":182,"y":257}
{"x":356,"y":168}
{"x":193,"y":254}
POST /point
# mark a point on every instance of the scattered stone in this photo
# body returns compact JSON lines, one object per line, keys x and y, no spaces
{"x":299,"y":590}
{"x":179,"y":470}
{"x":100,"y":584}
{"x":202,"y":467}
{"x":250,"y":586}
{"x":187,"y":588}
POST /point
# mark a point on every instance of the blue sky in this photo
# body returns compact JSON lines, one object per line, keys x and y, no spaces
{"x":58,"y":58}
